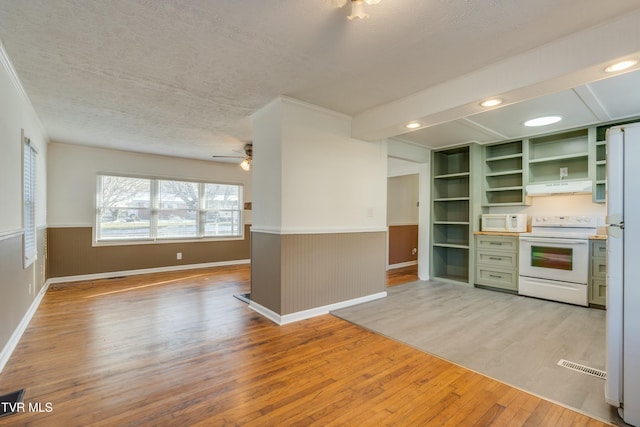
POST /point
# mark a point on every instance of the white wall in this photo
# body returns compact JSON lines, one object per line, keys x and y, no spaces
{"x":329,"y":182}
{"x":402,"y":200}
{"x":267,"y":165}
{"x":16,"y":114}
{"x":73,"y":169}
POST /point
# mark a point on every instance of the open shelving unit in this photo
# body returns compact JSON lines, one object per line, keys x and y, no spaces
{"x":600,"y":180}
{"x":504,"y":177}
{"x":548,"y":154}
{"x":452,"y":218}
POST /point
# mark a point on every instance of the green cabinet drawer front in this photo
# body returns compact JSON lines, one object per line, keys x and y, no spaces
{"x":599,"y":248}
{"x":598,"y":292}
{"x":599,"y":268}
{"x":498,"y":243}
{"x":497,"y":278}
{"x":498,"y":259}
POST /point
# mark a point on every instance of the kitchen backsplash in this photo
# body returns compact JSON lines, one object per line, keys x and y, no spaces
{"x":579,"y":204}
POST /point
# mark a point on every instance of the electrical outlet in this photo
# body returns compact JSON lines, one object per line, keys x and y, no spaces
{"x":179,"y":255}
{"x":564,"y":172}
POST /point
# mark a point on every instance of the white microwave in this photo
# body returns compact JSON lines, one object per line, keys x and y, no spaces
{"x":516,"y":223}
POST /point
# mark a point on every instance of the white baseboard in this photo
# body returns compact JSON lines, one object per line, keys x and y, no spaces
{"x":313,"y":312}
{"x":110,"y":274}
{"x":402,"y":264}
{"x":11,"y":345}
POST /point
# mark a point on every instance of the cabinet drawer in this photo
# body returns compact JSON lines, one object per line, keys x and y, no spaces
{"x":599,"y":248}
{"x":503,"y":279}
{"x":598,"y":292}
{"x":599,"y":268}
{"x":497,"y":243}
{"x":498,"y":259}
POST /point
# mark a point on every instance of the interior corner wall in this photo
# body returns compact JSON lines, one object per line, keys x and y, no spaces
{"x":400,"y":167}
{"x":72,"y":184}
{"x":19,"y":286}
{"x":267,"y":166}
{"x":328,"y":232}
{"x":330,"y":181}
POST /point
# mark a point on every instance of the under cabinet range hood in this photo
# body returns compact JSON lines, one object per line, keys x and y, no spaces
{"x":559,"y":187}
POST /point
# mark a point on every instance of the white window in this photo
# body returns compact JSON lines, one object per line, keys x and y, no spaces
{"x":130,"y":209}
{"x":29,"y":202}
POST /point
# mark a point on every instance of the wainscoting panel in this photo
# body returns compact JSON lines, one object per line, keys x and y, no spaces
{"x":19,"y":288}
{"x":324,"y":269}
{"x":71,"y":253}
{"x":266,"y":270}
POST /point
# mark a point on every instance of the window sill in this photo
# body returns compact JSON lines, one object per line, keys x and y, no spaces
{"x":164,"y":241}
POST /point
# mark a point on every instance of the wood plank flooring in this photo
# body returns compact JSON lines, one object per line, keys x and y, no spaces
{"x":178,"y":349}
{"x":400,"y":276}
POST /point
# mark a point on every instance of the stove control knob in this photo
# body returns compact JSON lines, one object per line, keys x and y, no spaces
{"x":587,"y":219}
{"x":579,"y":219}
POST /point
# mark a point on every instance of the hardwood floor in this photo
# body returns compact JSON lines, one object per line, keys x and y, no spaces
{"x":178,"y":349}
{"x":400,"y":276}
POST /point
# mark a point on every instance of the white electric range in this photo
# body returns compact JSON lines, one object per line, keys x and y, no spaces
{"x":554,"y":258}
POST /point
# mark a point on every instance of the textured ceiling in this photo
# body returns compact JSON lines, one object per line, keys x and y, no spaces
{"x":183,"y":77}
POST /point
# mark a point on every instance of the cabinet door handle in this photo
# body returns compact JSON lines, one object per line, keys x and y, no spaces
{"x":496,"y":243}
{"x":495,"y":258}
{"x":495,"y":276}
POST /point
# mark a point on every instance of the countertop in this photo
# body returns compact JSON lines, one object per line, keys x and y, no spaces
{"x":598,"y":237}
{"x":496,"y":233}
{"x":504,"y":233}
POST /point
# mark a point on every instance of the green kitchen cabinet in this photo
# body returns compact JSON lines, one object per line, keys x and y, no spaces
{"x":497,"y":262}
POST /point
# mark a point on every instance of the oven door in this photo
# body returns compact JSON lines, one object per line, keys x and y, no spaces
{"x":559,"y":259}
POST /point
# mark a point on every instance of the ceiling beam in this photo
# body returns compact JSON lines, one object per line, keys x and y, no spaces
{"x":566,"y":63}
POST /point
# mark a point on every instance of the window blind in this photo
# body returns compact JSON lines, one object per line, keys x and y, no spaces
{"x":29,"y":202}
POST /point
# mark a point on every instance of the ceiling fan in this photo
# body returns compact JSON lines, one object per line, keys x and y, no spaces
{"x":247,"y":156}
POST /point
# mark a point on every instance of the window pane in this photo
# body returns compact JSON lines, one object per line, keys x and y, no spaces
{"x":177,"y":223}
{"x":124,"y":212}
{"x":127,"y":223}
{"x":123,"y":192}
{"x":222,"y":197}
{"x":223,"y":215}
{"x":178,"y":203}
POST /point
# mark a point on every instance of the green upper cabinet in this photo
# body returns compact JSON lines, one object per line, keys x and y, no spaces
{"x":600,"y":158}
{"x":504,"y":176}
{"x":559,"y":157}
{"x":454,"y":212}
{"x":600,"y":182}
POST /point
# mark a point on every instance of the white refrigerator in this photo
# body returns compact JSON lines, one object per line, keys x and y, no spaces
{"x":622,"y":387}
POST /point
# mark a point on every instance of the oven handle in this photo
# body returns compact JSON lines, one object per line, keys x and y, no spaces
{"x":553,"y":241}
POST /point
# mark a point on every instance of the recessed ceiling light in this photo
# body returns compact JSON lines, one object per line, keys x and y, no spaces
{"x":619,"y":66}
{"x":543,"y":121}
{"x":412,"y":125}
{"x":491,"y":102}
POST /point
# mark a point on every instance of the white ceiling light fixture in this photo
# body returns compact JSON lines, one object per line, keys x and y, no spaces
{"x":247,"y":156}
{"x":542,"y":121}
{"x":246,"y":164}
{"x":357,"y":7}
{"x":412,"y":125}
{"x":493,"y":102}
{"x":619,"y":66}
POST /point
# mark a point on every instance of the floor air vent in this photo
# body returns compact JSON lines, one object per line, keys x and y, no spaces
{"x":584,"y":369}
